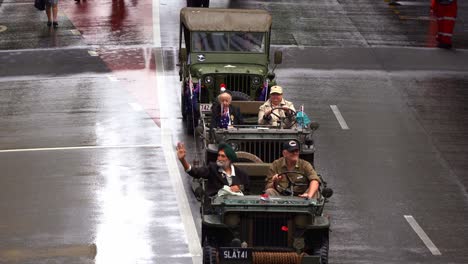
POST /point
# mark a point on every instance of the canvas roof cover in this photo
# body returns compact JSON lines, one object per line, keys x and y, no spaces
{"x":217,"y":19}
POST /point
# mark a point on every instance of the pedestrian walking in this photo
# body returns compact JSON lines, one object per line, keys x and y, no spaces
{"x":51,"y":11}
{"x":446,"y":12}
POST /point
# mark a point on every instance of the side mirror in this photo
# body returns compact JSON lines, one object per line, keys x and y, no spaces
{"x":183,"y":55}
{"x":278,"y":57}
{"x":314,"y":125}
{"x":327,"y":192}
{"x":309,"y":142}
{"x":271,"y":76}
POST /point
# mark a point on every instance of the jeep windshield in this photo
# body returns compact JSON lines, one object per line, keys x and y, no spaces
{"x":250,"y":42}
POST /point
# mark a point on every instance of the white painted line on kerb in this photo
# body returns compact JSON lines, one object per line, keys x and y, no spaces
{"x":136,"y":107}
{"x":156,"y":25}
{"x":93,"y":53}
{"x":193,"y":240}
{"x":112,"y":78}
{"x":427,"y":241}
{"x":77,"y":148}
{"x":339,"y":117}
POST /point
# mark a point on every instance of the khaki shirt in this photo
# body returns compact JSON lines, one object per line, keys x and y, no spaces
{"x":278,"y":166}
{"x":274,"y":119}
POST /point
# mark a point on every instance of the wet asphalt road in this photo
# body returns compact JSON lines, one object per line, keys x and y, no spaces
{"x":89,"y":116}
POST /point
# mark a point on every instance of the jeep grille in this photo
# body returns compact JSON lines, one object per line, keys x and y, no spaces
{"x":268,"y":230}
{"x":266,"y":150}
{"x":236,"y":82}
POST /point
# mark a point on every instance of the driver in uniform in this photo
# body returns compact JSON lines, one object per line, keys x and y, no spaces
{"x":277,"y":110}
{"x":307,"y":182}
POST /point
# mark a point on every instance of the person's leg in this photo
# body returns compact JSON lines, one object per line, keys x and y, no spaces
{"x":54,"y":12}
{"x":272,"y":192}
{"x":48,"y":12}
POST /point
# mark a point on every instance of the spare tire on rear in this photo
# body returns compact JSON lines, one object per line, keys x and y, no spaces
{"x":240,"y":96}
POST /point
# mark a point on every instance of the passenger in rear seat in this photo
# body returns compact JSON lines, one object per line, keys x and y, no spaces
{"x":223,"y":114}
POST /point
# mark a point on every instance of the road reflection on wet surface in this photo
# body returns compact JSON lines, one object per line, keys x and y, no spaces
{"x":112,"y":22}
{"x":123,"y":234}
{"x":135,"y":69}
{"x":88,"y":172}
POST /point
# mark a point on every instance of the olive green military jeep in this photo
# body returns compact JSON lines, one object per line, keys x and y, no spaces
{"x":229,"y":47}
{"x":254,"y":228}
{"x":258,"y":229}
{"x":257,"y":143}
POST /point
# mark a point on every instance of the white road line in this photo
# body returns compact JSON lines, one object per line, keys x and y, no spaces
{"x":136,"y":107}
{"x":188,"y":222}
{"x":75,"y":32}
{"x":339,"y":117}
{"x":112,"y":78}
{"x":77,"y":148}
{"x":427,"y":241}
{"x":156,"y":25}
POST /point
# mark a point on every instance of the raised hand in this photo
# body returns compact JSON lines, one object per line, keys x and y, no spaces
{"x":181,"y":152}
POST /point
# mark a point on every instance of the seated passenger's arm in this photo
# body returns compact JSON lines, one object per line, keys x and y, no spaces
{"x":240,"y":118}
{"x":201,"y":172}
{"x":313,"y":187}
{"x":314,"y":181}
{"x":262,"y":119}
{"x":244,"y":182}
{"x":214,"y":123}
{"x":269,"y":179}
{"x":289,"y":105}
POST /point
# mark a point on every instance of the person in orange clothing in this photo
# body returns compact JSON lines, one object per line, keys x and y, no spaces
{"x":446,"y":13}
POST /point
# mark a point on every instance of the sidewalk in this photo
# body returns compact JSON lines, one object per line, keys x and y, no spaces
{"x":26,"y":28}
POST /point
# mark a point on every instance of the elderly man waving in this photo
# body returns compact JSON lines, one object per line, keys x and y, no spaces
{"x":219,"y":174}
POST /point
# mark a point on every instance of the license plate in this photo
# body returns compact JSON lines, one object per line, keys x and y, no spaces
{"x":235,"y":255}
{"x":205,"y":107}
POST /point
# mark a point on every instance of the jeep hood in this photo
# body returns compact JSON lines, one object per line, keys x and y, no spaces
{"x":231,"y":68}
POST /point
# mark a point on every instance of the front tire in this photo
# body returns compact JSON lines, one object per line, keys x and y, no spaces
{"x":320,"y":244}
{"x":210,"y":255}
{"x":190,"y":124}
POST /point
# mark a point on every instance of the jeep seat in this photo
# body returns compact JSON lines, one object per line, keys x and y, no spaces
{"x":257,"y":174}
{"x":249,"y":110}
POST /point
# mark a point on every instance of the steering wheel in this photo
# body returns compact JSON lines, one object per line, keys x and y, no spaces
{"x":289,"y":190}
{"x":291,"y":117}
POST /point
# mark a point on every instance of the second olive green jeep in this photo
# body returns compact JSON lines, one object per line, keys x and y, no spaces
{"x":223,"y":48}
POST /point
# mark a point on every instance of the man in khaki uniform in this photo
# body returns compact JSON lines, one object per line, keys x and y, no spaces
{"x":277,"y":108}
{"x":291,"y":162}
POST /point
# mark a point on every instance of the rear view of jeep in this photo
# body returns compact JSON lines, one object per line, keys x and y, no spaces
{"x":223,"y":48}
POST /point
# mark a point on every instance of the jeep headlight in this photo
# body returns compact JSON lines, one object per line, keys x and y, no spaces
{"x":302,"y":220}
{"x":234,"y":146}
{"x":232,"y":219}
{"x":208,"y":80}
{"x":256,"y":80}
